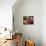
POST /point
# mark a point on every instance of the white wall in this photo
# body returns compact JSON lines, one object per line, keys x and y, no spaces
{"x":6,"y":13}
{"x":43,"y":22}
{"x":29,"y":8}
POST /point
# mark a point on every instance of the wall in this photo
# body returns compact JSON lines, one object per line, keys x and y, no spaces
{"x":28,"y":8}
{"x":6,"y":13}
{"x":43,"y":22}
{"x":6,"y":16}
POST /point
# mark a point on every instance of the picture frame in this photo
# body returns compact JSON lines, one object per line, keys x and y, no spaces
{"x":28,"y":20}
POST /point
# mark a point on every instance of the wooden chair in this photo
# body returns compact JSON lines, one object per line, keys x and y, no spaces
{"x":29,"y":43}
{"x":18,"y":37}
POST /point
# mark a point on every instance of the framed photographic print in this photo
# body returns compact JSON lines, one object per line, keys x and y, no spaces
{"x":28,"y":20}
